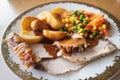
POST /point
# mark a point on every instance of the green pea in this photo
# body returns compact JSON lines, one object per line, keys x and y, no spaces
{"x":81,"y":17}
{"x":94,"y":33}
{"x":64,"y":29}
{"x":85,"y":20}
{"x":83,"y":30}
{"x":99,"y":36}
{"x":108,"y":23}
{"x":76,"y":12}
{"x":73,"y":21}
{"x":72,"y":12}
{"x":68,"y":35}
{"x":76,"y":28}
{"x":61,"y":29}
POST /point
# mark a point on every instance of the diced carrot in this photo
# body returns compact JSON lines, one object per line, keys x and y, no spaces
{"x":93,"y":17}
{"x":90,"y":14}
{"x":101,"y":32}
{"x":98,"y":21}
{"x":106,"y":22}
{"x":90,"y":24}
{"x":77,"y":21}
{"x":70,"y":24}
{"x":96,"y":15}
{"x":89,"y":28}
{"x":67,"y":20}
{"x":65,"y":14}
{"x":106,"y":33}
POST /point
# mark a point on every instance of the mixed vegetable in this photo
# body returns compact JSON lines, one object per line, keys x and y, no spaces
{"x":87,"y":24}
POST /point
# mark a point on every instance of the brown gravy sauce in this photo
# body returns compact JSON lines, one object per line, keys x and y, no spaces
{"x":65,"y":53}
{"x":93,"y":43}
{"x":51,"y":49}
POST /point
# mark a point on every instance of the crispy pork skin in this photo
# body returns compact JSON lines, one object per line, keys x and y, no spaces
{"x":21,"y":48}
{"x":73,"y":44}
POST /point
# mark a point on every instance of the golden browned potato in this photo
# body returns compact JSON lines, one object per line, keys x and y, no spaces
{"x":54,"y":35}
{"x":26,"y":23}
{"x":35,"y":25}
{"x":58,"y":10}
{"x":29,"y":37}
{"x":43,"y":16}
{"x":38,"y":25}
{"x":53,"y":19}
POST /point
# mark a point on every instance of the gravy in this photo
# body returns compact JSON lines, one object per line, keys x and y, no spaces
{"x":51,"y":49}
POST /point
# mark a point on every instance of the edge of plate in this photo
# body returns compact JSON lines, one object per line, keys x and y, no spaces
{"x":109,"y":72}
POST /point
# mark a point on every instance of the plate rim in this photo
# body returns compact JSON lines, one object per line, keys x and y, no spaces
{"x":111,"y":70}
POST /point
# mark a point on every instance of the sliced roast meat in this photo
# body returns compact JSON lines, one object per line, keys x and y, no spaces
{"x":69,"y":61}
{"x":77,"y":60}
{"x":13,"y":40}
{"x":58,"y":66}
{"x":28,"y":53}
{"x":21,"y":48}
{"x":103,"y":48}
{"x":73,"y":44}
{"x":45,"y":50}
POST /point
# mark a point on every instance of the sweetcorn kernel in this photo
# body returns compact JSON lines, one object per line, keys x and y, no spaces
{"x":66,"y":25}
{"x":67,"y":20}
{"x":77,"y":21}
{"x":80,"y":30}
{"x":104,"y":26}
{"x":94,"y":28}
{"x":71,"y":18}
{"x":80,"y":24}
{"x":82,"y":34}
{"x":91,"y":36}
{"x":100,"y":27}
{"x":71,"y":28}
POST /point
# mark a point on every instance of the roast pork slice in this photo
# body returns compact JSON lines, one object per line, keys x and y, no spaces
{"x":58,"y":66}
{"x":45,"y":50}
{"x":103,"y":48}
{"x":72,"y":44}
{"x":21,"y":49}
{"x":77,"y":60}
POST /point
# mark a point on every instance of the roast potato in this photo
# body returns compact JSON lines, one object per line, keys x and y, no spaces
{"x":53,"y":19}
{"x":29,"y":37}
{"x":54,"y":35}
{"x":26,"y":23}
{"x":38,"y":25}
{"x":43,"y":16}
{"x":58,"y":10}
{"x":35,"y":25}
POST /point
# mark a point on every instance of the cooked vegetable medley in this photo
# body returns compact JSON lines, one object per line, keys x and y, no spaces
{"x":87,"y":24}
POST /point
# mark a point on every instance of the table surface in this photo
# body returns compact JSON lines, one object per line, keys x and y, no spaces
{"x":10,"y":9}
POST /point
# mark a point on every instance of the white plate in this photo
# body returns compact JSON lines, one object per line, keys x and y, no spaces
{"x":90,"y":70}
